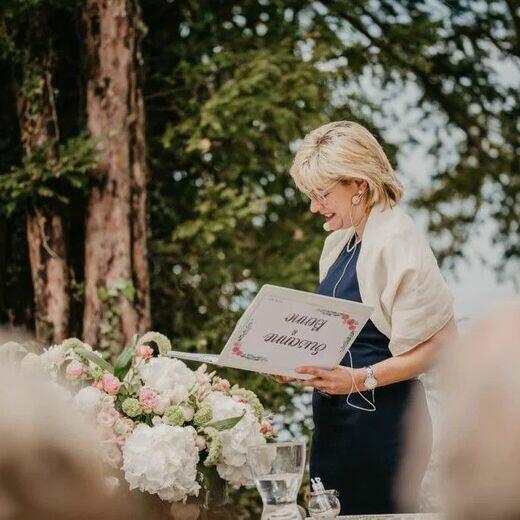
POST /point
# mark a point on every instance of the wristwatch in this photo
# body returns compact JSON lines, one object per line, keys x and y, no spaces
{"x":370,"y":381}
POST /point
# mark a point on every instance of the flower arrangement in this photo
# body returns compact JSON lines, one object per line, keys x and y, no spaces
{"x":161,"y":423}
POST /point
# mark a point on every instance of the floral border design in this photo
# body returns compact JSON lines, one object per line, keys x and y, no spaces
{"x":237,"y":347}
{"x":237,"y":350}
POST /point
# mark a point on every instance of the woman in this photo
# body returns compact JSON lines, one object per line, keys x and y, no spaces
{"x":374,"y":255}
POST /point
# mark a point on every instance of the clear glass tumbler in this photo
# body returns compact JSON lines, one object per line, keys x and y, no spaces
{"x":324,"y":504}
{"x":277,"y":469}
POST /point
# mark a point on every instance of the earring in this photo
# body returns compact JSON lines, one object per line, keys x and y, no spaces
{"x":356,"y":199}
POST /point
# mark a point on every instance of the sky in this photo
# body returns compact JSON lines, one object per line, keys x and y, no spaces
{"x":474,"y":283}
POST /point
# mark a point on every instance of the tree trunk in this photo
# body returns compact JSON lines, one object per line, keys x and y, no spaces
{"x":45,"y":231}
{"x":117,"y":302}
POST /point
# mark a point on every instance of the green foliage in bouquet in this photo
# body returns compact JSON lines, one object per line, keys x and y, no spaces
{"x":166,"y":429}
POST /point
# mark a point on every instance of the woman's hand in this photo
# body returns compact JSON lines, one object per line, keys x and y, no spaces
{"x":284,"y":379}
{"x":339,"y":380}
{"x":281,"y":379}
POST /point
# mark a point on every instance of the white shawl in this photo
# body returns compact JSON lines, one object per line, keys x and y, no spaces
{"x":398,"y":275}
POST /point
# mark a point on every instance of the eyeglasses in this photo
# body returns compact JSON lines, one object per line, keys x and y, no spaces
{"x":321,"y":195}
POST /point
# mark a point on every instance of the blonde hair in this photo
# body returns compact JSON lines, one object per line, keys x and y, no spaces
{"x":344,"y":150}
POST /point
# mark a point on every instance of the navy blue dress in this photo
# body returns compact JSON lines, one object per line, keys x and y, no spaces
{"x":358,"y":452}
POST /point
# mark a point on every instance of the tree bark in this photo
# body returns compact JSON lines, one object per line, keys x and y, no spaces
{"x":45,"y":230}
{"x":117,"y":302}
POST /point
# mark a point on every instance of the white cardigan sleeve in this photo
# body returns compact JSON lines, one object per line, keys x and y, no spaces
{"x":415,"y":298}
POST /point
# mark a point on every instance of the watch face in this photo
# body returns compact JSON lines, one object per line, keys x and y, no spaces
{"x":370,"y":383}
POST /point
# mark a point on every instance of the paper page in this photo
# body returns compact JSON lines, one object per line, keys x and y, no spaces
{"x":210,"y":359}
{"x":284,"y":328}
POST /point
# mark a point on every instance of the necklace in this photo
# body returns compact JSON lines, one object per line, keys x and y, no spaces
{"x":351,"y":250}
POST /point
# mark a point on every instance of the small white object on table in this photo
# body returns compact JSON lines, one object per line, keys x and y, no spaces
{"x":418,"y":516}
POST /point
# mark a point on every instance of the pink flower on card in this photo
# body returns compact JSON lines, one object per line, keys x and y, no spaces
{"x":237,"y":349}
{"x":111,"y":384}
{"x":351,"y":322}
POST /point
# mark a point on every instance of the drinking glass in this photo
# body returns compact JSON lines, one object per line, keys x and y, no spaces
{"x":277,"y":469}
{"x":324,"y":504}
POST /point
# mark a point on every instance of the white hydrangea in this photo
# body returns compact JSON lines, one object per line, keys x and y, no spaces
{"x":162,"y":460}
{"x":233,"y":465}
{"x":169,"y":377}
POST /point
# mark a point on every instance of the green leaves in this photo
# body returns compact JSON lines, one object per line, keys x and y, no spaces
{"x":48,"y":175}
{"x":92,"y":356}
{"x":123,"y":362}
{"x":225,"y":424}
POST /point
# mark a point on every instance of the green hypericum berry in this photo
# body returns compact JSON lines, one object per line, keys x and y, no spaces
{"x":95,"y":372}
{"x":131,"y":407}
{"x":203,"y":416}
{"x":174,"y":416}
{"x":214,"y":452}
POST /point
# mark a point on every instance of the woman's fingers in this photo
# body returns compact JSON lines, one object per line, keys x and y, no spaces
{"x":314,"y":371}
{"x":284,"y":379}
{"x":315,"y":382}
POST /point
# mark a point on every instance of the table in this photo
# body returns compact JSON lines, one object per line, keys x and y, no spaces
{"x":421,"y":516}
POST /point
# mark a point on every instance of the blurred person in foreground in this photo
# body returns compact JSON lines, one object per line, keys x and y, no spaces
{"x":479,"y":439}
{"x":375,"y":254}
{"x":49,"y":466}
{"x":480,"y":433}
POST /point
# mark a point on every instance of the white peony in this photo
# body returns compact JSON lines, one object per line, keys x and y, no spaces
{"x":53,"y":357}
{"x":162,"y":460}
{"x":88,"y":400}
{"x":170,"y":377}
{"x":233,"y":465}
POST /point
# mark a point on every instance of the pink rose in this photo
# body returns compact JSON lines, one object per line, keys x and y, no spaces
{"x":98,"y":384}
{"x":111,"y":384}
{"x":266,"y":428}
{"x":106,"y":419}
{"x":351,"y":322}
{"x":121,"y":440}
{"x":223,"y":385}
{"x":144,"y":351}
{"x":148,"y":399}
{"x":74,"y":369}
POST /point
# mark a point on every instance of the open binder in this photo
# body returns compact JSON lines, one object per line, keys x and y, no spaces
{"x":284,"y":328}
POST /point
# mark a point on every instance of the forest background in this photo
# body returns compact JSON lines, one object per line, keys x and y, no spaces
{"x":145,"y":148}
